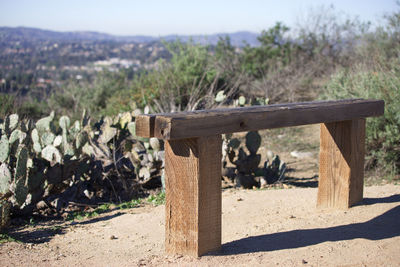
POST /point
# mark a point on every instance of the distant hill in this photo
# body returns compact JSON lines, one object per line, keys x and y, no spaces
{"x":34,"y":34}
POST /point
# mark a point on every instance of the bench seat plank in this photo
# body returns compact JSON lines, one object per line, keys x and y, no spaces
{"x":182,"y":125}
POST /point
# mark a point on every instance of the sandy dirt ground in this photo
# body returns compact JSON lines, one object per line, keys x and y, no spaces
{"x":278,"y":227}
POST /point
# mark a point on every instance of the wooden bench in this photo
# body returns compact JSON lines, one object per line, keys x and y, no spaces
{"x":193,"y":160}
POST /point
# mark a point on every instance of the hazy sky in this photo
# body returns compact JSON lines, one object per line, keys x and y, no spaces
{"x":161,"y":17}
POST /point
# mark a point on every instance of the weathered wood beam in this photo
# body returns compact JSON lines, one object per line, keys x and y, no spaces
{"x":182,"y":125}
{"x":341,"y":164}
{"x":193,"y":195}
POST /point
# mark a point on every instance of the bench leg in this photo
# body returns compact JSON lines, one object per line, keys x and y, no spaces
{"x":341,"y":164}
{"x":193,"y":195}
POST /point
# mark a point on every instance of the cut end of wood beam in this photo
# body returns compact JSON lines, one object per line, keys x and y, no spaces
{"x":145,"y":125}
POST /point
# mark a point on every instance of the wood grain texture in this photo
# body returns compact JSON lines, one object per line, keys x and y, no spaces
{"x":145,"y":125}
{"x":341,"y":164}
{"x":211,"y":122}
{"x":193,"y":195}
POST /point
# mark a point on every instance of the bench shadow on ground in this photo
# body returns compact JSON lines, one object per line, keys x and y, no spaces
{"x":43,"y":234}
{"x":380,"y":227}
{"x":311,"y":182}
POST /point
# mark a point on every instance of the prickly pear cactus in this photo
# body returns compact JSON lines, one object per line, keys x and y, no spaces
{"x":18,"y":185}
{"x":125,"y":119}
{"x":247,"y":165}
{"x":17,"y":135}
{"x":44,"y":124}
{"x":5,"y":178}
{"x":253,"y":142}
{"x":57,"y":141}
{"x":4,"y":148}
{"x":21,"y":165}
{"x":51,"y":154}
{"x":81,"y":139}
{"x":241,"y":101}
{"x":74,"y":130}
{"x":47,"y":138}
{"x":220,"y":97}
{"x":107,"y":133}
{"x":132,"y":128}
{"x":20,"y":190}
{"x":37,"y":147}
{"x":11,"y":122}
{"x":64,"y":123}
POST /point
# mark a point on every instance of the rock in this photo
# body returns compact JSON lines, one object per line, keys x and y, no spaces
{"x":301,"y":155}
{"x":263,"y":182}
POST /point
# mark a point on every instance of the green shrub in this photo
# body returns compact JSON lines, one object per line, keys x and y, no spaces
{"x":383,"y":142}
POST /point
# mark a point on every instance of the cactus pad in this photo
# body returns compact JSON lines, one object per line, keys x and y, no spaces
{"x":47,"y":138}
{"x":11,"y":122}
{"x":220,"y":96}
{"x":43,"y":124}
{"x":51,"y":154}
{"x":20,"y":192}
{"x":132,"y":128}
{"x":5,"y":178}
{"x":234,"y":143}
{"x":21,"y":165}
{"x":88,"y":149}
{"x":64,"y":123}
{"x":241,"y":101}
{"x":81,"y":139}
{"x":17,"y":135}
{"x":125,"y":119}
{"x":35,"y":136}
{"x":4,"y":148}
{"x":107,"y":134}
{"x":57,"y":141}
{"x":253,"y":142}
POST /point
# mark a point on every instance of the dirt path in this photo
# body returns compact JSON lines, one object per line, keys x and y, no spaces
{"x":264,"y":227}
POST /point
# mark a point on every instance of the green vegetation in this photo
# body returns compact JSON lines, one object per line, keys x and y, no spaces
{"x":4,"y":238}
{"x":156,"y":199}
{"x":80,"y":215}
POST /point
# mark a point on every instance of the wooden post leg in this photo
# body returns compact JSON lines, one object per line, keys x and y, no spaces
{"x":341,"y":164}
{"x":193,"y":195}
